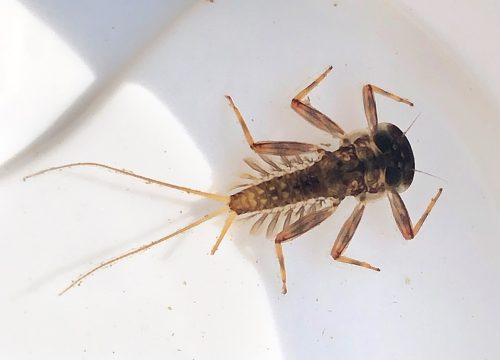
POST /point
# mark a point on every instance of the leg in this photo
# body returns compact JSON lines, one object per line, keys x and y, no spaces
{"x":403,"y":218}
{"x":371,"y":107}
{"x":299,"y":227}
{"x":284,"y":148}
{"x":345,"y":237}
{"x":312,"y":115}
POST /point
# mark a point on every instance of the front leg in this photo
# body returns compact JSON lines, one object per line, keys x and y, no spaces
{"x":403,"y":218}
{"x":371,"y":107}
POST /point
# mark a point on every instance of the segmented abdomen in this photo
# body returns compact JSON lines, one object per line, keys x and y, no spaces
{"x":280,"y":191}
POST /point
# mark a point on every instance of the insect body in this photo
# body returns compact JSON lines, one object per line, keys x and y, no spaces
{"x":303,"y":192}
{"x":357,"y":168}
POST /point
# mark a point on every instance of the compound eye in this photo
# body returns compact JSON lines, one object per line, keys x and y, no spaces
{"x":383,"y":141}
{"x":393,"y":175}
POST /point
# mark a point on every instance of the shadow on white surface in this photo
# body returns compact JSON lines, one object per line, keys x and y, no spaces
{"x":111,"y":40}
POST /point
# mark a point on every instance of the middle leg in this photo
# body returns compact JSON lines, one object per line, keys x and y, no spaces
{"x":311,"y":114}
{"x":345,"y":236}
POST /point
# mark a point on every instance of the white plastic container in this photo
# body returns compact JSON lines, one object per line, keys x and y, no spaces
{"x":140,"y":86}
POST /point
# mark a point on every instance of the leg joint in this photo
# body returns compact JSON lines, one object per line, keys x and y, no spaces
{"x":335,"y":254}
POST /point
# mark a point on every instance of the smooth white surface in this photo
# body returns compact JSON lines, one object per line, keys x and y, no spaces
{"x":158,"y":109}
{"x":31,"y":51}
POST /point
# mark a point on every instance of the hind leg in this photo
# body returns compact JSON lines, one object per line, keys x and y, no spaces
{"x":295,"y":229}
{"x":280,"y":148}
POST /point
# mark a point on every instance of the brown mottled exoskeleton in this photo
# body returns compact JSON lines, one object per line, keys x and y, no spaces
{"x":308,"y":183}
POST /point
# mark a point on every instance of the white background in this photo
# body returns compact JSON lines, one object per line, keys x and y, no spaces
{"x":140,"y":86}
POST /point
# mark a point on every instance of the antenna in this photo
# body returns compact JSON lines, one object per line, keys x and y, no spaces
{"x":426,"y":173}
{"x":413,"y":122}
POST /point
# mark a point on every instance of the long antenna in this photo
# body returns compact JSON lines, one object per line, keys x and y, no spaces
{"x":413,"y":122}
{"x":426,"y":173}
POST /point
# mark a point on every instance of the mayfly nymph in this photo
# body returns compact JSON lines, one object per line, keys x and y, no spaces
{"x":302,"y":184}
